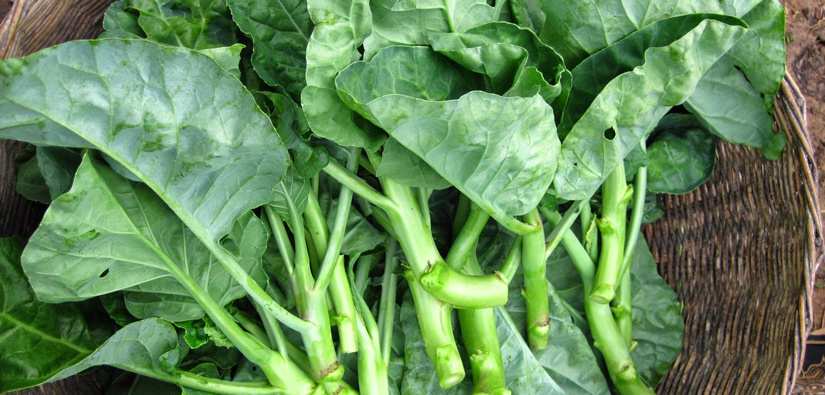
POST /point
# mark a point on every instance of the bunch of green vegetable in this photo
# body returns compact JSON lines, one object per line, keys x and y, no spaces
{"x":237,"y":187}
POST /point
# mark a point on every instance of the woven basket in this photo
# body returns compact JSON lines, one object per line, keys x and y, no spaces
{"x":741,"y":251}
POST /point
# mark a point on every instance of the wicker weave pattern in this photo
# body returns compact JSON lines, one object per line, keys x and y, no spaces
{"x":741,"y":250}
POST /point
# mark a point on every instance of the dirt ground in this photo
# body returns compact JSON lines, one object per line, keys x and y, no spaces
{"x":805,"y":35}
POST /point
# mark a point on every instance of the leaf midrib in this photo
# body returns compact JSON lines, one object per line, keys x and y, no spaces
{"x":40,"y":333}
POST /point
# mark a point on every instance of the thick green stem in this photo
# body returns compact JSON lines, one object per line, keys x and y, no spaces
{"x":279,"y":371}
{"x":623,"y":309}
{"x":435,"y":276}
{"x":386,"y":308}
{"x":313,"y":308}
{"x":478,"y":330}
{"x":217,"y":386}
{"x":535,"y":284}
{"x":611,"y":227}
{"x":608,"y":339}
{"x":464,"y":243}
{"x":437,"y":333}
{"x":333,"y":273}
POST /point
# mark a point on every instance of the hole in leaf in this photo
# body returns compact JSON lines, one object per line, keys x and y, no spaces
{"x":575,"y":164}
{"x":610,"y":134}
{"x":105,"y":272}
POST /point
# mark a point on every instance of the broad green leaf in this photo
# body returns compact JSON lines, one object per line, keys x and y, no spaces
{"x":410,"y":22}
{"x":729,"y":107}
{"x":406,"y":168}
{"x":527,"y":373}
{"x":138,"y":348}
{"x":115,"y":305}
{"x":229,"y":58}
{"x":528,"y":14}
{"x":499,"y":151}
{"x":186,"y":23}
{"x":410,"y":71}
{"x":118,"y":22}
{"x":292,"y":127}
{"x":681,"y":159}
{"x":503,"y":52}
{"x":132,"y":100}
{"x":280,"y":31}
{"x":341,"y":26}
{"x":416,"y":72}
{"x":631,"y":104}
{"x":37,"y":340}
{"x":760,"y":55}
{"x":658,"y":325}
{"x":579,"y":29}
{"x":591,"y":76}
{"x":70,"y":257}
{"x":46,"y":172}
{"x":58,"y":166}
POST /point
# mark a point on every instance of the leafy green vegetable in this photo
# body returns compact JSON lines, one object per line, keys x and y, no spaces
{"x":280,"y":31}
{"x":38,"y":339}
{"x":680,"y":160}
{"x":148,"y":236}
{"x":630,"y":106}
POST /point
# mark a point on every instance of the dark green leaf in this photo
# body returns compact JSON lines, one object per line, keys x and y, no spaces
{"x":138,"y":347}
{"x":634,"y":160}
{"x":729,"y":107}
{"x":115,"y":306}
{"x":120,"y":22}
{"x":528,"y":14}
{"x":658,"y":325}
{"x":579,"y":29}
{"x":291,"y":125}
{"x":653,"y":209}
{"x":37,"y":340}
{"x":591,"y":76}
{"x":194,"y":332}
{"x":507,"y":55}
{"x":280,"y":31}
{"x":680,"y":160}
{"x":186,"y":23}
{"x":30,"y":181}
{"x":631,"y":104}
{"x":132,"y":100}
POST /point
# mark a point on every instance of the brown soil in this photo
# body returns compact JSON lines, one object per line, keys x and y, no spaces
{"x":805,"y":35}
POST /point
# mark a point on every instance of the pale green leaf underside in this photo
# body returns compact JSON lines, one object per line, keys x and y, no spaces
{"x":109,"y":234}
{"x":210,"y":159}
